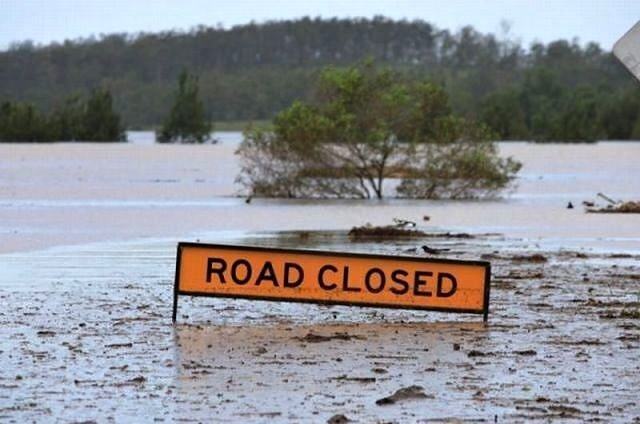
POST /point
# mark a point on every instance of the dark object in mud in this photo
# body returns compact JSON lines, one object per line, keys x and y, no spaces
{"x":624,"y":314}
{"x":536,"y":257}
{"x":569,"y":205}
{"x":406,"y":393}
{"x":431,"y":251}
{"x":344,"y":377}
{"x":620,"y":256}
{"x":476,"y":353}
{"x":426,"y":218}
{"x":317,"y":338}
{"x":625,"y":207}
{"x":528,"y":352}
{"x":338,"y":419}
{"x":387,"y":231}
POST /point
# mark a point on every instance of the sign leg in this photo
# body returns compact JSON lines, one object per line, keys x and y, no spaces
{"x":175,"y":307}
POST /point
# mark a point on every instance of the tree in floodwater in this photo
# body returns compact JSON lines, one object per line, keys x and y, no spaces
{"x":364,"y":126}
{"x":186,"y":122}
{"x":66,"y":121}
{"x":99,"y":121}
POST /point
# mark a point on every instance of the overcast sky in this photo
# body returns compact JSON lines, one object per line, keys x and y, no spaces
{"x":44,"y":21}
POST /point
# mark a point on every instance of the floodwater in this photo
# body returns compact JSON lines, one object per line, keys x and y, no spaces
{"x":61,"y":194}
{"x":87,"y":250}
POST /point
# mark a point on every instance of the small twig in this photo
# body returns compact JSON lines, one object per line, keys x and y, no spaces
{"x":607,"y":198}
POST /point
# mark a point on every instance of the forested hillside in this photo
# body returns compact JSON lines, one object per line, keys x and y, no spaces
{"x":562,"y":90}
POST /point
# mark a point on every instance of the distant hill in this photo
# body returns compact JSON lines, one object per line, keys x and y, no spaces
{"x":253,"y":71}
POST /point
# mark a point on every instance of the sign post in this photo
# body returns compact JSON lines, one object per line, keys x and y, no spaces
{"x":310,"y":276}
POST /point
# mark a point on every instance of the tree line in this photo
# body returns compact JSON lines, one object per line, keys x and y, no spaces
{"x":95,"y":120}
{"x":76,"y":119}
{"x":557,"y":91}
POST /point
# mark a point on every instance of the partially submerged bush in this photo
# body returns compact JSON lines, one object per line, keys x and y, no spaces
{"x":462,"y":163}
{"x":366,"y":126}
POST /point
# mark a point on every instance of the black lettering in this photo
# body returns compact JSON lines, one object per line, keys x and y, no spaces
{"x":419,"y":282}
{"x":218,"y":270}
{"x":454,"y":285}
{"x":399,"y":281}
{"x":369,"y":275}
{"x":287,"y":273}
{"x":267,"y":274}
{"x":321,"y":281}
{"x":345,"y":282}
{"x":234,"y":271}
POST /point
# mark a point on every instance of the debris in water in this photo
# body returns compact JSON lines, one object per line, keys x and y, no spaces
{"x":625,"y":207}
{"x":403,"y":223}
{"x":607,"y":198}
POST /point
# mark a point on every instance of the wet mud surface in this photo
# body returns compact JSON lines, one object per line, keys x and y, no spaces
{"x":87,"y":336}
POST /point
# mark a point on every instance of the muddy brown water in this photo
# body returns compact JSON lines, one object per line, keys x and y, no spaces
{"x":89,"y":233}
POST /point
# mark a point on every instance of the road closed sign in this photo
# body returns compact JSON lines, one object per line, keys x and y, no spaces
{"x":331,"y":278}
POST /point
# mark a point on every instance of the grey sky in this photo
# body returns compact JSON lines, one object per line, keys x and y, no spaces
{"x":44,"y":21}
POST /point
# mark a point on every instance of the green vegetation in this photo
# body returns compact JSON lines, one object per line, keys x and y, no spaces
{"x":363,"y":126}
{"x":74,"y":120}
{"x":241,"y":125}
{"x":186,"y":122}
{"x":99,"y":122}
{"x":557,"y":91}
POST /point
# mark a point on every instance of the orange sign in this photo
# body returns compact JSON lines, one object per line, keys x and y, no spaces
{"x":331,"y":278}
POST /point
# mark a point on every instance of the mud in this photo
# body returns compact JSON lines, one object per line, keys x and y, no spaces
{"x":87,"y":336}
